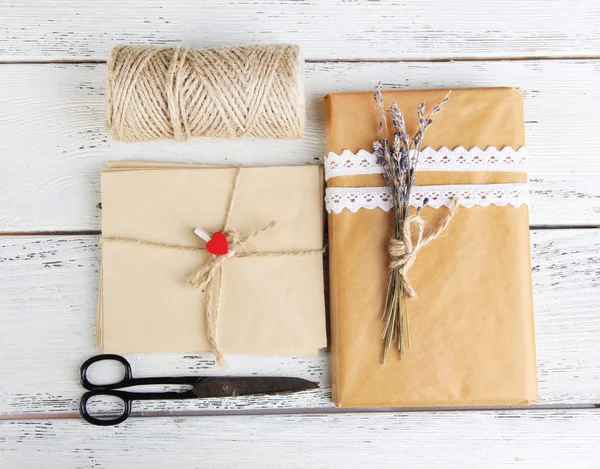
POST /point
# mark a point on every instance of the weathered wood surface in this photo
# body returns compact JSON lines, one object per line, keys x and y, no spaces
{"x":48,"y":294}
{"x":384,"y":29}
{"x":53,"y":144}
{"x":496,"y":439}
{"x":53,"y":140}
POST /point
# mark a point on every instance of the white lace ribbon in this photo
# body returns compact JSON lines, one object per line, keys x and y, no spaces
{"x":469,"y":195}
{"x":460,"y":159}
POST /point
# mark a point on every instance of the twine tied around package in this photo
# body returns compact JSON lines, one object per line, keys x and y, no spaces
{"x":209,"y":276}
{"x":403,"y":252}
{"x":180,"y":92}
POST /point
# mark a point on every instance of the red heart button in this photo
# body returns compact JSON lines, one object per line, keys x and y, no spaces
{"x":218,"y":244}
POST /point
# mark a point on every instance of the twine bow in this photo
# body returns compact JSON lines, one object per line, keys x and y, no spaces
{"x":403,"y":252}
{"x":204,"y":277}
{"x":209,"y":276}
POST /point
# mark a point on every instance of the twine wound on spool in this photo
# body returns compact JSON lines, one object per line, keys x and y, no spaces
{"x":209,"y":276}
{"x":178,"y":92}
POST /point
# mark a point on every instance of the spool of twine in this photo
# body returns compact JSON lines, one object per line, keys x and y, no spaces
{"x":177,"y":92}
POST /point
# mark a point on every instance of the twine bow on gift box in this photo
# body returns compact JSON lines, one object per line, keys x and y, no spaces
{"x":209,"y":275}
{"x":403,"y":252}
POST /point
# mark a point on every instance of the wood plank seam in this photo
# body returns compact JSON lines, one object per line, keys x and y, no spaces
{"x":342,"y":60}
{"x":98,"y":233}
{"x":307,"y":411}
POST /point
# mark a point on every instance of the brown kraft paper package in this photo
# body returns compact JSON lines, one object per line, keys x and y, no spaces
{"x":471,"y":326}
{"x":268,"y":305}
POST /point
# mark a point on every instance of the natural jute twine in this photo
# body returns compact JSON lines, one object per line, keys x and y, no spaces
{"x":209,"y":276}
{"x":403,"y":252}
{"x":179,"y":92}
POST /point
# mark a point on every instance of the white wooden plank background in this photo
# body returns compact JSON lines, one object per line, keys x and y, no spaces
{"x":385,"y":29}
{"x":53,"y":140}
{"x":53,"y":144}
{"x":48,"y":291}
{"x":496,"y":439}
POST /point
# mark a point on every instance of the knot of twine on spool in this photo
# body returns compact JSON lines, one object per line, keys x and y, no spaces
{"x":403,"y":251}
{"x":209,"y":275}
{"x":179,"y":92}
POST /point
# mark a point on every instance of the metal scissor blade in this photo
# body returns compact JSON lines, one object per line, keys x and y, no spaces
{"x":232,"y":386}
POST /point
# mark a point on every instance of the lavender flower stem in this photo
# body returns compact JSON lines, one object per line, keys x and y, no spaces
{"x":399,"y":171}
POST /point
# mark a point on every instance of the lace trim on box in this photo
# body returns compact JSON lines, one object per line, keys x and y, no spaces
{"x":354,"y":198}
{"x":444,"y":159}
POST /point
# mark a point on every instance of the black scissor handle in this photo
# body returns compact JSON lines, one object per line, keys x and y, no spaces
{"x":123,"y":396}
{"x":125,"y":381}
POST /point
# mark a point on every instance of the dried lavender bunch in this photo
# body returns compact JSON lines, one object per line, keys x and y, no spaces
{"x":399,"y":157}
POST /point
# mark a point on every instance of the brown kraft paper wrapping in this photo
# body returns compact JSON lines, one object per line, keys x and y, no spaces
{"x":471,"y":326}
{"x":268,"y":305}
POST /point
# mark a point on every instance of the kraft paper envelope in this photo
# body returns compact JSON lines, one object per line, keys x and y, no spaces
{"x":471,"y":326}
{"x":269,"y":305}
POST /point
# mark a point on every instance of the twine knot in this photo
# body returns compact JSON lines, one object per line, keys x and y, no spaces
{"x":233,"y":240}
{"x":403,"y":251}
{"x":204,"y":276}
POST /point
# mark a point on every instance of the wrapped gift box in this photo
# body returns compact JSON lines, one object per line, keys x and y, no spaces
{"x":471,"y":326}
{"x":270,"y":305}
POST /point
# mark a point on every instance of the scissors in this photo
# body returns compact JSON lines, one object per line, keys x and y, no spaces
{"x":200,"y":387}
